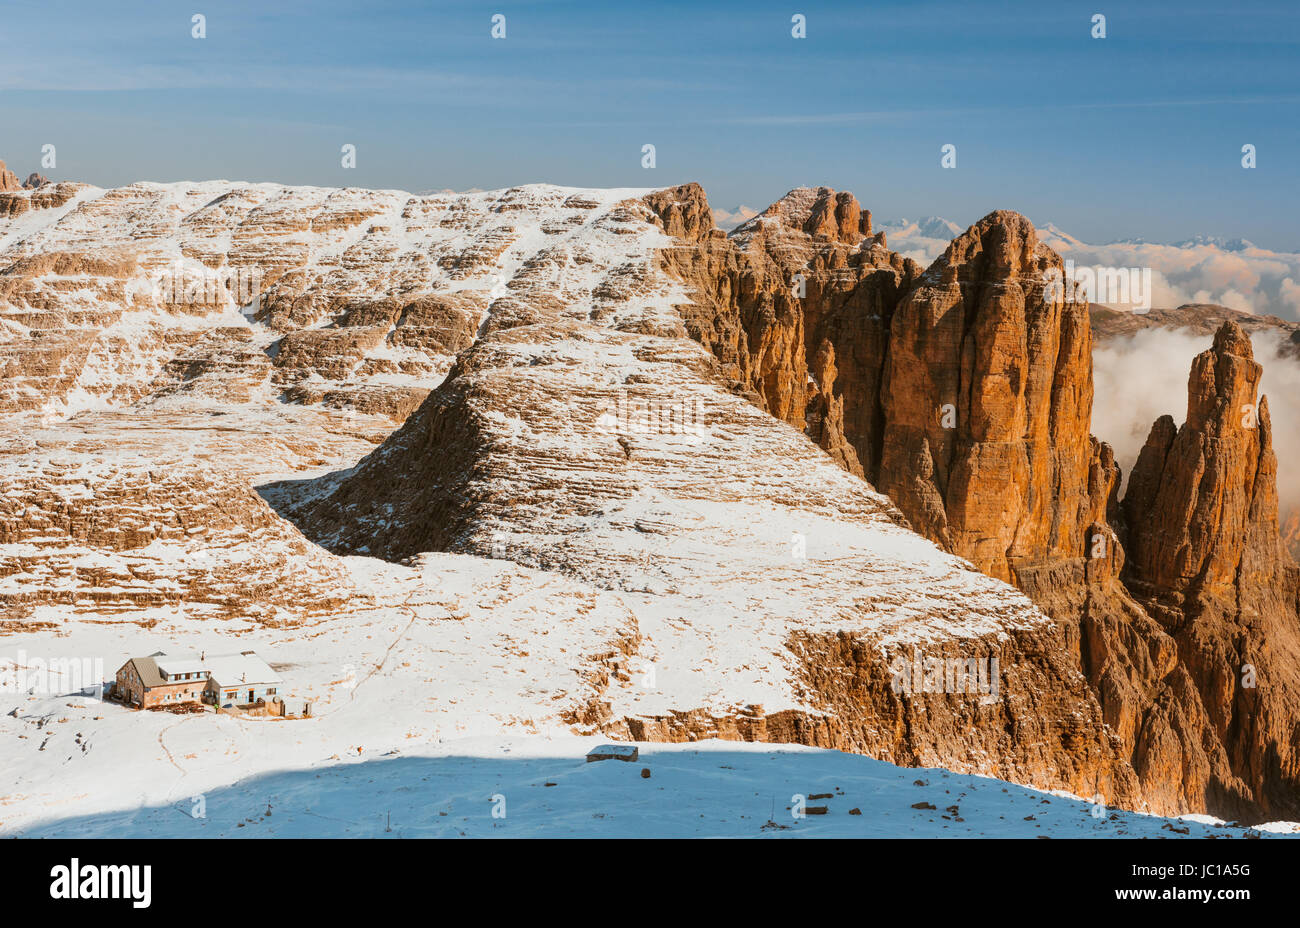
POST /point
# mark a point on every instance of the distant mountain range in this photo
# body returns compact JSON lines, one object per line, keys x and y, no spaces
{"x":930,"y":227}
{"x":937,"y":227}
{"x":1202,"y":269}
{"x":730,"y":218}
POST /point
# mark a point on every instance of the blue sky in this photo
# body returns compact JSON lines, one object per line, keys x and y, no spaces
{"x":1137,"y":134}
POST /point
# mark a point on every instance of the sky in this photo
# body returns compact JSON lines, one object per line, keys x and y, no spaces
{"x":1138,"y":134}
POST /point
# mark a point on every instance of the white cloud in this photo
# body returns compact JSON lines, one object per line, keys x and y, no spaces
{"x":1141,"y":378}
{"x":1290,"y":296}
{"x":1248,"y":278}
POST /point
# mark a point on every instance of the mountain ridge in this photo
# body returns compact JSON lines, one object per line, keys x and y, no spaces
{"x":502,"y":332}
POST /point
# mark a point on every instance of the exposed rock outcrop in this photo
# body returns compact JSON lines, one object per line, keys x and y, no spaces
{"x":969,"y":404}
{"x":796,"y":303}
{"x":611,"y":448}
{"x":987,"y":403}
{"x":359,"y":298}
{"x":1207,"y":561}
{"x":628,"y":402}
{"x":1112,"y":328}
{"x":8,"y":179}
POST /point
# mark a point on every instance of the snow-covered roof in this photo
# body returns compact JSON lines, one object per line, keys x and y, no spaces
{"x":240,"y":669}
{"x":235,"y":669}
{"x":175,"y":664}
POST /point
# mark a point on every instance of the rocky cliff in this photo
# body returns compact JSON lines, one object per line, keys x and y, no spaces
{"x":9,"y":180}
{"x":773,"y":593}
{"x":1112,"y":329}
{"x":797,"y":304}
{"x":987,"y":403}
{"x":681,"y":433}
{"x":1206,"y":560}
{"x":967,"y":400}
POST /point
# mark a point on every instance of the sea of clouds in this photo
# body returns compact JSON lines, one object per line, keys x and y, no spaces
{"x":1140,"y":378}
{"x":1238,"y":275}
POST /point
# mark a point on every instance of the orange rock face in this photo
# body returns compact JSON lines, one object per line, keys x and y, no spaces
{"x":8,"y":179}
{"x":733,"y":541}
{"x":796,"y":303}
{"x":623,"y":396}
{"x":987,"y":403}
{"x":1202,"y":492}
{"x":965,"y":394}
{"x":1207,"y":561}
